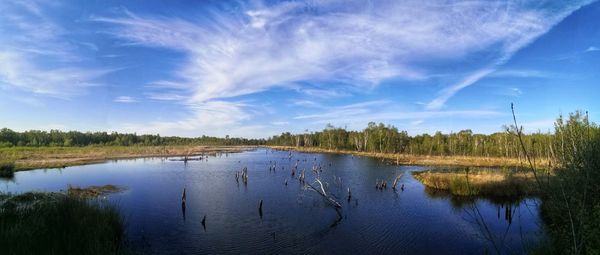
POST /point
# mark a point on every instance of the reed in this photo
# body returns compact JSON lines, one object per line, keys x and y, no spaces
{"x":55,"y":223}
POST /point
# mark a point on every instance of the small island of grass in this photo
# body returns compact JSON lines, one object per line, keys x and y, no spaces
{"x":481,"y":182}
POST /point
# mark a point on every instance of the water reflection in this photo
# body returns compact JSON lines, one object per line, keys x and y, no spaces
{"x":498,"y":231}
{"x":401,"y":217}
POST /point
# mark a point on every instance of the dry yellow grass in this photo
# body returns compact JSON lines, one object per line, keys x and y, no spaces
{"x":26,"y":158}
{"x":485,"y":182}
{"x":408,"y":159}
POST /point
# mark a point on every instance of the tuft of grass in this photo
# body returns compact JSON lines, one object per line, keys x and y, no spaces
{"x":92,"y":191}
{"x":54,"y":223}
{"x":7,"y":168}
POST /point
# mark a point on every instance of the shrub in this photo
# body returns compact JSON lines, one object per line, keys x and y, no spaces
{"x":7,"y":168}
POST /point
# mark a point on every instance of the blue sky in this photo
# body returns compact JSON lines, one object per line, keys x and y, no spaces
{"x":258,"y":68}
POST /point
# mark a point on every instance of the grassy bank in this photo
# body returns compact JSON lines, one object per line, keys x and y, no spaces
{"x":408,"y":159}
{"x":26,"y":158}
{"x":494,"y":183}
{"x":56,"y":223}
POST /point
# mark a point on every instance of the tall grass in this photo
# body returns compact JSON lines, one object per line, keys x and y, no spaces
{"x":51,"y":223}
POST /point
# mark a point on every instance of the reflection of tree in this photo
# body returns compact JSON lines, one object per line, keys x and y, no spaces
{"x":506,"y":210}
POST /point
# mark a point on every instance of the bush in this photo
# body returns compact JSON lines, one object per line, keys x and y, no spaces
{"x":7,"y":168}
{"x":570,"y":202}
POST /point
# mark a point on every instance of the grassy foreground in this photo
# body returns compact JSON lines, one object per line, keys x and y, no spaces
{"x":56,"y":223}
{"x":26,"y":158}
{"x":425,"y":160}
{"x":494,"y":183}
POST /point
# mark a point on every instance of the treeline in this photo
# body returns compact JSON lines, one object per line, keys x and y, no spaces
{"x":388,"y":139}
{"x":36,"y":138}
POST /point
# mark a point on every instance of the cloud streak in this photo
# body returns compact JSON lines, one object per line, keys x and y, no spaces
{"x":351,"y":42}
{"x":512,"y":34}
{"x":35,"y":55}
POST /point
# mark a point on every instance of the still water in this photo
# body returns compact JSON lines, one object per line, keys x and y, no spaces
{"x":294,"y":219}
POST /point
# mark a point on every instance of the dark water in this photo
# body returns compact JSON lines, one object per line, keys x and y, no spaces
{"x":294,"y":219}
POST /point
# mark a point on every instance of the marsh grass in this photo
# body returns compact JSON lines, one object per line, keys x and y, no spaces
{"x":495,"y":183}
{"x":55,"y":223}
{"x":27,"y":158}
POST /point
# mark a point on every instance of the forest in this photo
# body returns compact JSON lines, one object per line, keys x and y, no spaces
{"x":374,"y":138}
{"x":56,"y":138}
{"x":388,"y":139}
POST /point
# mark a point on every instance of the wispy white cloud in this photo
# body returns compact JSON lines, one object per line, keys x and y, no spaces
{"x":336,"y":44}
{"x":125,"y":99}
{"x":522,"y":73}
{"x":210,"y":118}
{"x":417,"y":122}
{"x":17,"y":70}
{"x":512,"y":34}
{"x":592,"y":48}
{"x":280,"y":123}
{"x":357,"y":115}
{"x":307,"y":104}
{"x":448,"y":92}
{"x":35,"y":55}
{"x":514,"y":92}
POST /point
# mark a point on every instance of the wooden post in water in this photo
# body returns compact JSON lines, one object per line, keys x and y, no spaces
{"x":349,"y":194}
{"x":260,"y":208}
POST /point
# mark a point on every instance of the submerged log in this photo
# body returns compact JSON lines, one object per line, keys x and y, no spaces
{"x":321,"y":191}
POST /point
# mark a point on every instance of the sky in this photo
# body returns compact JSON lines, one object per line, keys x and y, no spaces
{"x":258,"y":68}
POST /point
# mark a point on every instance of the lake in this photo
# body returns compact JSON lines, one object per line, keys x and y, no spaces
{"x":294,"y":219}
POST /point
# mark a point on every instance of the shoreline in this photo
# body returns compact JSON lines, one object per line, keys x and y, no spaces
{"x":30,"y":158}
{"x":421,"y":160}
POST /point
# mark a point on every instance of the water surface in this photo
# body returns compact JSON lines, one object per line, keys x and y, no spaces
{"x":294,"y":219}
